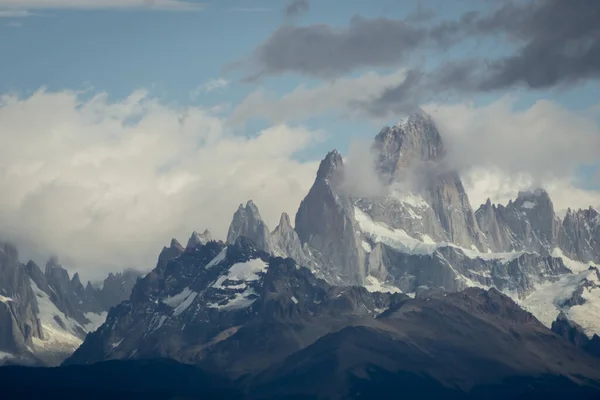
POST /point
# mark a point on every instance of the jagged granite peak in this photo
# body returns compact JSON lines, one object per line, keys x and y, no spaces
{"x":404,"y":146}
{"x":325,"y":223}
{"x":579,"y":235}
{"x":199,"y":239}
{"x":426,"y":197}
{"x":248,"y":222}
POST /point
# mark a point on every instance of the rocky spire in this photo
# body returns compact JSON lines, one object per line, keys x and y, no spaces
{"x":325,"y":222}
{"x":248,"y":222}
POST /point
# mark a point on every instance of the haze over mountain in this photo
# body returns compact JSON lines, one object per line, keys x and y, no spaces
{"x":369,"y":200}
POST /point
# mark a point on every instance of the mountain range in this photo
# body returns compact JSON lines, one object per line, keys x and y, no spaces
{"x":44,"y":316}
{"x":407,"y":288}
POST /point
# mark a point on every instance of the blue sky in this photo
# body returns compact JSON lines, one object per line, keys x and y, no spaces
{"x":173,"y":53}
{"x":519,"y":135}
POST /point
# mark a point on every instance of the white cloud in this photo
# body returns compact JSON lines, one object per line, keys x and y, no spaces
{"x":501,"y":187}
{"x":501,"y":150}
{"x":545,"y":140}
{"x":105,"y":185}
{"x":15,"y":13}
{"x":340,"y":95}
{"x":210,"y":86}
{"x":19,"y":6}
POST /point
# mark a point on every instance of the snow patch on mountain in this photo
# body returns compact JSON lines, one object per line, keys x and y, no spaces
{"x":218,"y":259}
{"x":176,"y":300}
{"x":587,"y":315}
{"x":185,"y":304}
{"x":96,"y":320}
{"x":400,"y":240}
{"x":239,"y":300}
{"x":575,"y":266}
{"x":375,"y":285}
{"x":5,"y":299}
{"x":56,"y":337}
{"x":244,"y":272}
{"x":545,"y":302}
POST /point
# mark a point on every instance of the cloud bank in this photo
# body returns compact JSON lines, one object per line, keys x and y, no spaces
{"x":176,"y":5}
{"x":104,"y":185}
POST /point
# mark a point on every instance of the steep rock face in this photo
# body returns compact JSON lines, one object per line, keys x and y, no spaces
{"x":425,"y":197}
{"x":325,"y":222}
{"x":579,"y":236}
{"x":18,"y":306}
{"x":247,"y":222}
{"x":404,"y":146}
{"x":528,"y":223}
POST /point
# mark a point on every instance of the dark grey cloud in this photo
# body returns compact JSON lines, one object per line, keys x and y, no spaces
{"x":553,"y":41}
{"x":559,"y":43}
{"x":295,"y":8}
{"x":322,"y":51}
{"x":421,"y":14}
